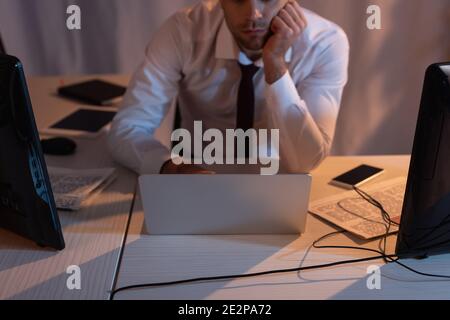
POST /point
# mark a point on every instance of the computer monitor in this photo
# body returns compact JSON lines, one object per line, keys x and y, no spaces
{"x":425,"y":224}
{"x":27,"y":206}
{"x":2,"y":47}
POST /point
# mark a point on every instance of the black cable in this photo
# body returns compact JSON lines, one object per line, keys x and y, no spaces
{"x":376,"y":203}
{"x":383,"y":243}
{"x":388,"y":220}
{"x":376,"y":251}
{"x":384,"y":214}
{"x":240,"y":276}
{"x":382,"y":255}
{"x":124,"y":242}
{"x":387,"y":258}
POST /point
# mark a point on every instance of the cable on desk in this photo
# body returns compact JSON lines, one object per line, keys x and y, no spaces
{"x":381,"y":255}
{"x":123,"y":244}
{"x":387,"y":258}
{"x":240,"y":276}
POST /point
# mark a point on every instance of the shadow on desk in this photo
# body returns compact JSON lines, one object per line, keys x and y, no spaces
{"x":13,"y":243}
{"x":399,"y":283}
{"x":170,"y":258}
{"x":74,"y":221}
{"x":95,"y":284}
{"x":100,"y":220}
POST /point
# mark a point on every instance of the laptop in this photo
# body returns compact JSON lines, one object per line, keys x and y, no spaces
{"x":225,"y":204}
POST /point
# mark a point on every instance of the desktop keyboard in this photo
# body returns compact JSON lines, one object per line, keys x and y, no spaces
{"x":351,"y":212}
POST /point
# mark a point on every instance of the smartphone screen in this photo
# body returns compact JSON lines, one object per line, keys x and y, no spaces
{"x":357,"y":176}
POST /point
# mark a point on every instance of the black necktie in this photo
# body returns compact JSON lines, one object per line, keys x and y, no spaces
{"x":246,"y":98}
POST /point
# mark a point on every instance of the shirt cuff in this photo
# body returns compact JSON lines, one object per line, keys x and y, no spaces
{"x":283,"y":94}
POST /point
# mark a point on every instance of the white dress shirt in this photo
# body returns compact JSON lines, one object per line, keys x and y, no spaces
{"x":194,"y":58}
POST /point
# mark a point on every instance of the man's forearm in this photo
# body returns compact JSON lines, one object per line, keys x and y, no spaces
{"x":303,"y":141}
{"x":274,"y":68}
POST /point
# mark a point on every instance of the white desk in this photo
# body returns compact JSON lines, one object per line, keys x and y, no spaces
{"x":94,"y":238}
{"x":149,"y":259}
{"x":93,"y":235}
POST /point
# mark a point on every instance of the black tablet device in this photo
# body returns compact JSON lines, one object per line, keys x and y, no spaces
{"x":27,"y":206}
{"x":87,"y":123}
{"x":96,"y":92}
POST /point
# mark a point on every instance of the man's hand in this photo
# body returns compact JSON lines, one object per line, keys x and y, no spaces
{"x":286,"y":27}
{"x":170,"y":168}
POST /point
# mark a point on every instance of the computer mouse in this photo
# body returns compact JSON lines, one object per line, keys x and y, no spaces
{"x":58,"y":146}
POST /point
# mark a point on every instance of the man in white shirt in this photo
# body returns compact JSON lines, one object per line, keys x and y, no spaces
{"x":298,"y":63}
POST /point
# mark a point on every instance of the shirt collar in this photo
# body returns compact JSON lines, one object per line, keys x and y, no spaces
{"x":227,"y":48}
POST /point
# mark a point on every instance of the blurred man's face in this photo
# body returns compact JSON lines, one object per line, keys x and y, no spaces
{"x":249,"y":20}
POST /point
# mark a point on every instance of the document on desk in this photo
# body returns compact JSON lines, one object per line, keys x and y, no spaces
{"x":71,"y":188}
{"x":351,"y":212}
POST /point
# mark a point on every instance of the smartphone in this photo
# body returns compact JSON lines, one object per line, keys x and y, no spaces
{"x":356,"y":177}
